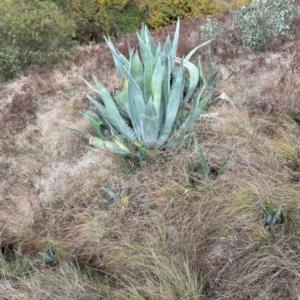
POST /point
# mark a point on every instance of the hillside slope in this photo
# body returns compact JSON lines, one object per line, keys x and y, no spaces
{"x":180,"y":236}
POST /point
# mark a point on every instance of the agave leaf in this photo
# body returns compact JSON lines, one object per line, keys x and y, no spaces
{"x":204,"y":165}
{"x":113,"y":111}
{"x":157,"y":55}
{"x":177,"y":139}
{"x":46,"y":257}
{"x":91,"y":86}
{"x":167,"y":83}
{"x":166,"y":51}
{"x":112,"y":195}
{"x":116,"y":120}
{"x":96,"y":123}
{"x":148,"y":74}
{"x":172,"y":107}
{"x":149,"y":40}
{"x":175,"y":40}
{"x":202,"y":79}
{"x":278,"y":212}
{"x":188,"y":57}
{"x":193,"y":78}
{"x":151,"y":126}
{"x":123,"y":60}
{"x":110,"y":111}
{"x":136,"y":105}
{"x":97,"y":112}
{"x":196,"y":147}
{"x":196,"y":110}
{"x":202,"y":161}
{"x":121,"y":98}
{"x":276,"y":216}
{"x":136,"y":70}
{"x":102,"y":144}
{"x":156,"y":84}
{"x":143,"y":47}
{"x":83,"y":134}
{"x":223,"y":165}
{"x":113,"y":146}
{"x":116,"y":57}
{"x":192,"y":117}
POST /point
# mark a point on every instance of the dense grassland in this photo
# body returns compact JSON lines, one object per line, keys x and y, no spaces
{"x":164,"y":231}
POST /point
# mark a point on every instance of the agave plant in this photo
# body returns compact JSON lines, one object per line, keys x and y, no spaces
{"x":273,"y":217}
{"x":161,"y":97}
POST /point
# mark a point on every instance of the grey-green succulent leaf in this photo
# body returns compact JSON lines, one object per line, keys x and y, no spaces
{"x":272,"y":217}
{"x":118,"y":61}
{"x":203,"y":164}
{"x":193,"y":78}
{"x":151,"y":127}
{"x":191,"y":118}
{"x":110,"y":111}
{"x":96,"y":123}
{"x":175,"y":40}
{"x":157,"y":84}
{"x":117,"y":146}
{"x":172,"y":107}
{"x":188,"y":57}
{"x":148,"y":74}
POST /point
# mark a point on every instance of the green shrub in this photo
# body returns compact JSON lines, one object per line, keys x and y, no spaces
{"x":96,"y":18}
{"x":32,"y":34}
{"x":152,"y":109}
{"x":128,"y":20}
{"x":211,"y":29}
{"x":261,"y":21}
{"x":258,"y":23}
{"x":163,"y":12}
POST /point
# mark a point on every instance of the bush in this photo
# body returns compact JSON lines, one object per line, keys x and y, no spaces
{"x":258,"y":23}
{"x":163,"y":12}
{"x":211,"y":29}
{"x":98,"y":17}
{"x":261,"y":21}
{"x":32,"y":34}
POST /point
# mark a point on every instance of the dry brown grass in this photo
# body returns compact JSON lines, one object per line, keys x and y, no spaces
{"x":180,"y":236}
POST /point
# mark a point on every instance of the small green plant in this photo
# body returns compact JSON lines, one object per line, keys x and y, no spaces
{"x":203,"y":164}
{"x":211,"y":29}
{"x":273,"y":217}
{"x":111,"y":197}
{"x":46,"y":258}
{"x":151,"y":109}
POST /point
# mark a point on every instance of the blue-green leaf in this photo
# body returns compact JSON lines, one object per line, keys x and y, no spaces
{"x":110,"y":111}
{"x":175,"y":40}
{"x":136,"y":105}
{"x":193,"y":79}
{"x":148,"y":74}
{"x":136,"y":70}
{"x":96,"y":123}
{"x":150,"y":121}
{"x":172,"y":106}
{"x":188,"y":57}
{"x":192,"y":117}
{"x":157,"y":83}
{"x":116,"y":57}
